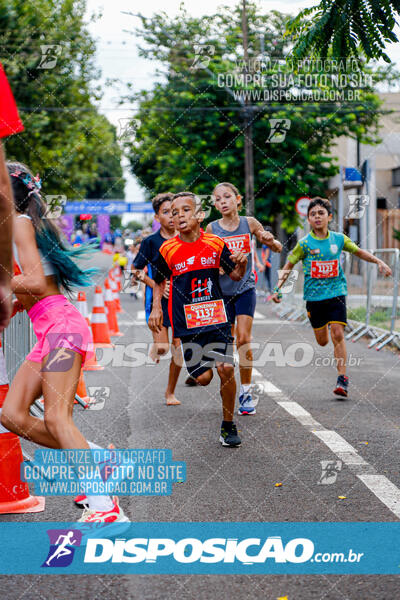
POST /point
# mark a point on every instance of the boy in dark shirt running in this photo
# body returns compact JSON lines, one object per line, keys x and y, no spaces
{"x":191,"y":260}
{"x":147,"y":256}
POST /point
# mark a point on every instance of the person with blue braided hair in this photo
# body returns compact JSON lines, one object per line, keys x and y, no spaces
{"x":44,"y":267}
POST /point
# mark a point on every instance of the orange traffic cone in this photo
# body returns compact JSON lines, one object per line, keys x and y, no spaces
{"x":115,"y":277}
{"x":92,"y":364}
{"x":14,"y":493}
{"x":101,"y":334}
{"x":111,"y":312}
{"x":81,"y":389}
{"x":114,"y":288}
{"x":81,"y":305}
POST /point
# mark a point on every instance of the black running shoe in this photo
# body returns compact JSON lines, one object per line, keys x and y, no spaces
{"x":341,"y":386}
{"x":229,"y":436}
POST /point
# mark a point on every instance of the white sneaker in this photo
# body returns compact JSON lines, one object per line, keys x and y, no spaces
{"x":115,"y":515}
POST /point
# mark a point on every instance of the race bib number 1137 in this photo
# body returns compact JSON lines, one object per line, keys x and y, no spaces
{"x":205,"y":313}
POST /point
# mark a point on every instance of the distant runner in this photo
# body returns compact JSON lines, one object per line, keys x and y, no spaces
{"x":240,"y":296}
{"x":325,"y":286}
{"x":147,"y":256}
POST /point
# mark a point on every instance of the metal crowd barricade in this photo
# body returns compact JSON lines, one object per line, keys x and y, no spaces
{"x":379,"y":301}
{"x":372,"y":299}
{"x":18,"y":340}
{"x":357,"y":300}
{"x":383,"y":300}
{"x":293,"y":305}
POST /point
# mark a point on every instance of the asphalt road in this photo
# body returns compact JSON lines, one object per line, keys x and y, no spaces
{"x":298,"y":424}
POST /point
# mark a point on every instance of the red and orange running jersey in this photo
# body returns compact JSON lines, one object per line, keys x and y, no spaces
{"x":195,"y":299}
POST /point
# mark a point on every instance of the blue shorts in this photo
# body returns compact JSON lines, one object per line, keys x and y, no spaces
{"x":242,"y":304}
{"x":164,"y":306}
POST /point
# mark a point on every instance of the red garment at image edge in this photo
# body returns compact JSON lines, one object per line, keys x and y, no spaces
{"x":10,"y":122}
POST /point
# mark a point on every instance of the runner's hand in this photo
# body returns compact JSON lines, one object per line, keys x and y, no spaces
{"x":384,"y":269}
{"x":17,"y":306}
{"x":276,"y":295}
{"x":238,"y":258}
{"x":276,"y":299}
{"x":267,"y":238}
{"x":166,"y":290}
{"x":156,"y":320}
{"x":277,"y":247}
{"x":138,"y":275}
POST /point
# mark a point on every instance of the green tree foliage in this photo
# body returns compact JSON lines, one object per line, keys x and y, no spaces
{"x":66,"y":140}
{"x":343,"y":27}
{"x":190,"y":133}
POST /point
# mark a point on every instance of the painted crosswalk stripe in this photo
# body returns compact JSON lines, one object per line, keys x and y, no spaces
{"x":386,"y":491}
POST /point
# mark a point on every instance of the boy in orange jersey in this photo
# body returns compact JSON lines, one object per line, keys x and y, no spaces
{"x":191,"y":261}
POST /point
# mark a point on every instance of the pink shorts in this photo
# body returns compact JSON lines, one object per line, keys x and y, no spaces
{"x":58,"y":324}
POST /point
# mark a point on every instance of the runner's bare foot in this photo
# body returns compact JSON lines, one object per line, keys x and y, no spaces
{"x":171,"y":400}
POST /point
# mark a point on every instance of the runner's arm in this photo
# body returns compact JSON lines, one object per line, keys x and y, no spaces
{"x":257,"y":261}
{"x":33,"y":280}
{"x":162,"y":274}
{"x":264,"y":237}
{"x":141,"y":276}
{"x":233,"y":264}
{"x":368,"y":257}
{"x":295,"y":256}
{"x":6,"y":210}
{"x":350,"y":246}
{"x":156,"y":315}
{"x":141,"y":261}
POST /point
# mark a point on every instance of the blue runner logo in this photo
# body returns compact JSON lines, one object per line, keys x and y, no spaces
{"x":62,"y":542}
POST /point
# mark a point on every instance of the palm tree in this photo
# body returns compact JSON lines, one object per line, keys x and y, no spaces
{"x":341,"y":28}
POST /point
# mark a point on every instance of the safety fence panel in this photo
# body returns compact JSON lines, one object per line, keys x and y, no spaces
{"x":292,"y":306}
{"x":383,"y":316}
{"x":17,"y":340}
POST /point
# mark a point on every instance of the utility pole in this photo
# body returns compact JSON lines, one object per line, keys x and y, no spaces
{"x":247,"y":115}
{"x":248,"y":128}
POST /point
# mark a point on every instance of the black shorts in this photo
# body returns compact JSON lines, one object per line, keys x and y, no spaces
{"x":241,"y":304}
{"x":202,"y":350}
{"x":323,"y":312}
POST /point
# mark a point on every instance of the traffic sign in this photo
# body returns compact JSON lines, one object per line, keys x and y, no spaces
{"x":301,"y":206}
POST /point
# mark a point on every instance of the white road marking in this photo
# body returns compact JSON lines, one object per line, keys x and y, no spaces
{"x":300,"y":414}
{"x":386,"y":491}
{"x":256,"y":373}
{"x":383,"y":489}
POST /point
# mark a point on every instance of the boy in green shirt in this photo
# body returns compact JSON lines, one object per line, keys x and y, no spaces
{"x":325,"y":286}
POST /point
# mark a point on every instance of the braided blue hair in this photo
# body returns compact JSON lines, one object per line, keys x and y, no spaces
{"x":27,"y":199}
